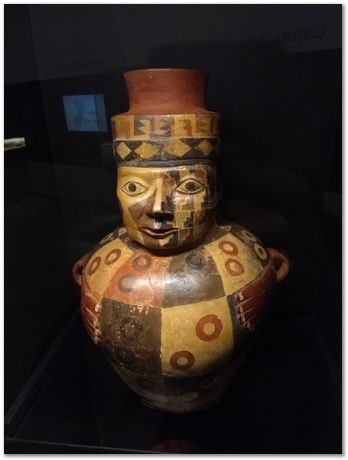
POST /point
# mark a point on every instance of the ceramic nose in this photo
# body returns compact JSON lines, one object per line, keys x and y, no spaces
{"x":161,"y":206}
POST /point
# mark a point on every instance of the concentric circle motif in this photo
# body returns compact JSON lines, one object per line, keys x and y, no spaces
{"x":196,"y":260}
{"x":126,"y":283}
{"x":260,"y":251}
{"x":233,"y":267}
{"x":249,"y":236}
{"x":142,"y":262}
{"x":94,"y":265}
{"x":209,"y":327}
{"x":106,"y":238}
{"x":131,"y":328}
{"x":112,"y":256}
{"x":182,"y":360}
{"x":228,"y":247}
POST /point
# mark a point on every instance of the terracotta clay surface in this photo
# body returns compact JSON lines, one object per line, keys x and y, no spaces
{"x":173,"y":298}
{"x":162,"y":91}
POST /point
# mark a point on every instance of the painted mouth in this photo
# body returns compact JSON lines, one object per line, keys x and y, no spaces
{"x":158,"y":232}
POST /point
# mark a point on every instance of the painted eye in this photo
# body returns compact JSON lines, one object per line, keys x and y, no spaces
{"x":190,"y":187}
{"x":134,"y":188}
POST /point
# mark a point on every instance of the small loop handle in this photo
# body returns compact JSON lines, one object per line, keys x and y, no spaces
{"x":78,"y":267}
{"x":281,"y":263}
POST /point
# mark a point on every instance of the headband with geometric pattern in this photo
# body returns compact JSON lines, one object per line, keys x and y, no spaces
{"x":166,"y":137}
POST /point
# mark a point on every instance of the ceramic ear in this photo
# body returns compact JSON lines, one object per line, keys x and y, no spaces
{"x":281,"y":263}
{"x":78,"y":269}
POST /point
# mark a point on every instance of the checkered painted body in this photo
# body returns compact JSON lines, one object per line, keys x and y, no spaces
{"x":176,"y":327}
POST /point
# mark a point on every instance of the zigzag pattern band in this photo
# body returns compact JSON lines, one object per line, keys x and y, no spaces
{"x":166,"y":149}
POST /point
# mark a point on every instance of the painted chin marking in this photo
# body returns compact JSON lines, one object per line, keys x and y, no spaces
{"x":158,"y":233}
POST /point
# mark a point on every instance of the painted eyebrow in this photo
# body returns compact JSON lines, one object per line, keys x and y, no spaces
{"x":132,"y":178}
{"x":195,"y":175}
{"x":143,"y":174}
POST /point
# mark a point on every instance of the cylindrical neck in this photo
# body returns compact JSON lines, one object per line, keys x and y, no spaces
{"x":166,"y":91}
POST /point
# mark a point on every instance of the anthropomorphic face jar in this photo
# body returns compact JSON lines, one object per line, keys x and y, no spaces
{"x":167,"y":207}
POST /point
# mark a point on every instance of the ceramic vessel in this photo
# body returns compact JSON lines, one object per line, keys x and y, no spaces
{"x":174,"y":299}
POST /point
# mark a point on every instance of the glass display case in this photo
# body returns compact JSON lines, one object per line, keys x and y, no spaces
{"x":275,"y":78}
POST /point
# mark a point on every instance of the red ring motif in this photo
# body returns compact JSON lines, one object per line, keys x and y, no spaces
{"x":209,"y":319}
{"x":94,"y":265}
{"x":233,"y":267}
{"x":228,"y":247}
{"x":109,"y":259}
{"x":182,"y":354}
{"x":142,"y":262}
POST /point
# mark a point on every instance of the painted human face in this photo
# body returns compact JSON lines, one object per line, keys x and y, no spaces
{"x":167,"y":207}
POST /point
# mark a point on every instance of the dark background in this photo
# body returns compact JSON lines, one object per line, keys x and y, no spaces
{"x":275,"y":77}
